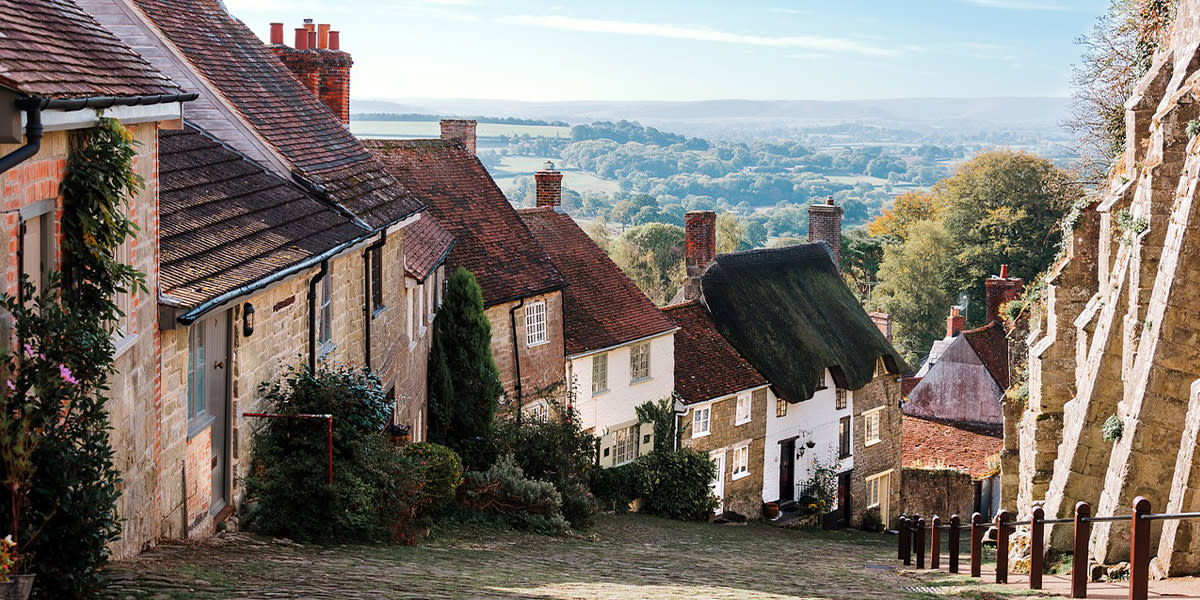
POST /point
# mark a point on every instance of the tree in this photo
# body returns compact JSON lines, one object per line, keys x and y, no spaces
{"x":914,"y":288}
{"x":464,"y":383}
{"x":907,"y":209}
{"x":731,"y":234}
{"x":861,"y":255}
{"x":652,"y":256}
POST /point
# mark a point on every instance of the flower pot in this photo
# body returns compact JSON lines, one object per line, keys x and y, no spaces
{"x":770,"y":510}
{"x":17,"y":587}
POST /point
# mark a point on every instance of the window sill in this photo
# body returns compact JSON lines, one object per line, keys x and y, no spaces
{"x":422,"y":332}
{"x":598,"y":393}
{"x":122,"y":345}
{"x":324,"y":351}
{"x":536,"y":344}
{"x":199,"y":423}
{"x":740,"y":423}
{"x":871,"y":443}
{"x":870,"y":506}
{"x":737,"y":476}
{"x":844,"y":456}
{"x":640,"y":380}
{"x":700,"y":435}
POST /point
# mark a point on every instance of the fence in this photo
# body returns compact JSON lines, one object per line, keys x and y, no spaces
{"x":912,"y":537}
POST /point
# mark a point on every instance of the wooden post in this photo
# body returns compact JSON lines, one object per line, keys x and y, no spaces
{"x":1079,"y":558}
{"x":935,"y":544}
{"x":919,"y":542}
{"x":955,"y":534}
{"x":1002,"y":531}
{"x":976,"y":545}
{"x":1139,"y":551}
{"x":1037,"y":541}
{"x":902,"y":534}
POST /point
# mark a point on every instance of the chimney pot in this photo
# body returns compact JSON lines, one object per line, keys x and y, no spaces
{"x":700,"y":248}
{"x":335,"y":42}
{"x":460,"y":130}
{"x":955,"y":323}
{"x":1003,"y":271}
{"x":276,"y":34}
{"x":312,"y":39}
{"x":323,"y":35}
{"x":301,"y":38}
{"x":308,"y":24}
{"x":829,"y":200}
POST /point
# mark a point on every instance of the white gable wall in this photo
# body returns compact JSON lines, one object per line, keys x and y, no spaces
{"x":814,"y":419}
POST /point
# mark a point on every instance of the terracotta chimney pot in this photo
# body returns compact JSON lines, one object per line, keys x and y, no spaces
{"x":276,"y":34}
{"x":323,"y":35}
{"x":335,"y":42}
{"x":301,"y":38}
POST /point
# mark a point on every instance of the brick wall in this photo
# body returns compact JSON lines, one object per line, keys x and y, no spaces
{"x":461,"y":130}
{"x":880,"y":457}
{"x":700,"y":230}
{"x":549,"y":188}
{"x":543,"y":367}
{"x":325,"y":72}
{"x":744,"y":495}
{"x":825,"y":225}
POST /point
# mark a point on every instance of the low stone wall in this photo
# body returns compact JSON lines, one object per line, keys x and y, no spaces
{"x":941,"y":492}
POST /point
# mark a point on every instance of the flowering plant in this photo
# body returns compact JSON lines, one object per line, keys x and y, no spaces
{"x":8,"y":557}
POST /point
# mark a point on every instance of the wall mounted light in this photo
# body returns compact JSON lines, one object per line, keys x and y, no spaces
{"x":247,"y":320}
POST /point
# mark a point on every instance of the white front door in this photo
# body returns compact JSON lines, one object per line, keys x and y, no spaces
{"x":718,"y":485}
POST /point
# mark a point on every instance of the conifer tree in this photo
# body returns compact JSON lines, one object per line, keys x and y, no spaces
{"x":464,"y":384}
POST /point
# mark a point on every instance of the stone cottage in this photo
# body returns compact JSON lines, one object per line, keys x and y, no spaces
{"x":522,"y":289}
{"x":43,"y":98}
{"x":620,"y":348}
{"x":789,"y":313}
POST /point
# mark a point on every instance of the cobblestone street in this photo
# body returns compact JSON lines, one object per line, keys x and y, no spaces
{"x":625,"y":557}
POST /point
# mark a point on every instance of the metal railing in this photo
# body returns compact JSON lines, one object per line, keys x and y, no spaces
{"x":912,"y":543}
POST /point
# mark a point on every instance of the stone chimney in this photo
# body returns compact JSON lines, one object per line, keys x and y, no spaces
{"x":825,"y":225}
{"x":883,"y":321}
{"x":549,"y":187}
{"x":955,"y":323}
{"x":318,"y":62}
{"x":461,"y":130}
{"x":700,"y":249}
{"x":1001,"y":290}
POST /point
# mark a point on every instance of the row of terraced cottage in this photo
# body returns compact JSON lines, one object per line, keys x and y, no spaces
{"x":271,"y":237}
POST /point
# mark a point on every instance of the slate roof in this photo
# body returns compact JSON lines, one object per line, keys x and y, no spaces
{"x":602,"y":307}
{"x":990,"y":343}
{"x":285,"y":113}
{"x":706,"y":366}
{"x":492,"y":241}
{"x":932,"y":444}
{"x":426,"y":244}
{"x":53,"y":49}
{"x":227,"y":222}
{"x":789,"y":312}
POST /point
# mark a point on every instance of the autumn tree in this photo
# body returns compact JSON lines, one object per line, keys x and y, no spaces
{"x":915,"y":288}
{"x":907,"y":209}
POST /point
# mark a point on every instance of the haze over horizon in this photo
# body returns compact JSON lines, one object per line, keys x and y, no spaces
{"x":677,"y":51}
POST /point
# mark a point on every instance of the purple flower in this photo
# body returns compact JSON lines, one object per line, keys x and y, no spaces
{"x":12,"y":386}
{"x":65,"y":371}
{"x":28,"y":350}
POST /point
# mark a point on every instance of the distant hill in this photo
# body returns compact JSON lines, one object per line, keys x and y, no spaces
{"x":746,"y":119}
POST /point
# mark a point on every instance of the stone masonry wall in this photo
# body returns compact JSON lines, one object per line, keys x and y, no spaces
{"x":742,"y":495}
{"x":543,"y":367}
{"x":880,"y":457}
{"x":942,"y":492}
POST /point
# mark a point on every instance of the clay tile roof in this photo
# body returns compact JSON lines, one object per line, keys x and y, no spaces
{"x":990,"y":343}
{"x":227,"y":222}
{"x":706,"y":366}
{"x":491,"y":240}
{"x":602,"y":307}
{"x":52,"y":48}
{"x":426,"y":244}
{"x":790,"y":313}
{"x":937,"y":444}
{"x":285,"y":113}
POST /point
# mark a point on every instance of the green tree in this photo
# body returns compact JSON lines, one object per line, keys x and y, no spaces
{"x":862,"y":254}
{"x":731,"y":234}
{"x":652,"y":256}
{"x":914,"y":288}
{"x":462,"y":408}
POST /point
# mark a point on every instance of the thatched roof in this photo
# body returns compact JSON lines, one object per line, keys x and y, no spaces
{"x":790,"y":313}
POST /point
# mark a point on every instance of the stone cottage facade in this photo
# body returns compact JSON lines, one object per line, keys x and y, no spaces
{"x":620,"y":348}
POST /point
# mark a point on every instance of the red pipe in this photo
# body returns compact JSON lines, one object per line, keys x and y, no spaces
{"x":328,"y":420}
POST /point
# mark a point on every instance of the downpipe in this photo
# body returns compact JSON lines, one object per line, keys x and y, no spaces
{"x":367,"y":316}
{"x":313,"y":316}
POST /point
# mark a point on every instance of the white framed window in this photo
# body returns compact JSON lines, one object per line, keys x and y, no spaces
{"x":700,"y":421}
{"x":538,"y":413}
{"x":873,"y":490}
{"x":410,"y":312}
{"x":740,"y":466}
{"x":639,"y":361}
{"x":430,"y":301}
{"x":625,"y":447}
{"x":420,"y":311}
{"x":871,"y":420}
{"x":742,"y":414}
{"x":195,"y":377}
{"x":780,"y":408}
{"x":535,"y":324}
{"x":599,"y":373}
{"x":325,"y":314}
{"x":839,"y":399}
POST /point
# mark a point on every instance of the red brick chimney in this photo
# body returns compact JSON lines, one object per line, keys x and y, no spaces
{"x":825,"y":225}
{"x":1001,"y":290}
{"x":883,"y":321}
{"x":955,"y":323}
{"x":549,"y":187}
{"x":461,"y":130}
{"x":700,"y":236}
{"x":318,"y":62}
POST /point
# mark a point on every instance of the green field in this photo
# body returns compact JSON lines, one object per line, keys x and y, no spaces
{"x":431,"y":129}
{"x":512,"y":167}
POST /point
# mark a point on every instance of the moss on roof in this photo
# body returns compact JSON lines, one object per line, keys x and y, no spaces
{"x":789,"y":312}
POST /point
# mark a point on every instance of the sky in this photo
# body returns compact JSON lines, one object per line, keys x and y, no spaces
{"x":699,"y":50}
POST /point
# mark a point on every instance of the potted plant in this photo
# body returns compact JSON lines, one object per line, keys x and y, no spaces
{"x":13,"y":586}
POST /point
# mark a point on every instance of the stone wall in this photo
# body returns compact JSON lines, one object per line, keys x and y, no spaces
{"x":744,"y":494}
{"x":543,"y":367}
{"x":941,"y":492}
{"x":882,"y":456}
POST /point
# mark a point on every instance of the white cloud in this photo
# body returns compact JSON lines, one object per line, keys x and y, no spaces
{"x":703,"y":34}
{"x":1018,"y":4}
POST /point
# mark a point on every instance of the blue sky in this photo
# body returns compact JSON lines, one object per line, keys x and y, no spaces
{"x":655,"y":50}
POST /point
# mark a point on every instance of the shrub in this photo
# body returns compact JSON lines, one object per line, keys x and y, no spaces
{"x":503,"y":490}
{"x":618,"y":486}
{"x":677,"y":483}
{"x":578,"y":503}
{"x":871,"y":520}
{"x":440,"y":473}
{"x":288,"y":486}
{"x":1113,"y":428}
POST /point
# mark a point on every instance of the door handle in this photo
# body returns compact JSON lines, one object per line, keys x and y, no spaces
{"x":220,"y":364}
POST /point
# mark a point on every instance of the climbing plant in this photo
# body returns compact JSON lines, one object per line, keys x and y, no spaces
{"x":56,"y":426}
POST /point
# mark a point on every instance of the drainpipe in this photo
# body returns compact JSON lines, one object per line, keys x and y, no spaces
{"x":313,"y":316}
{"x":367,"y":296}
{"x":33,"y":135}
{"x":512,"y":319}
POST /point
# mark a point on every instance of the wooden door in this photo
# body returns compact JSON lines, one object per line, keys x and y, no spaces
{"x":845,"y":502}
{"x":787,"y":471}
{"x":216,"y":403}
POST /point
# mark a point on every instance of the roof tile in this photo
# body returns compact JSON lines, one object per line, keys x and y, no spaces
{"x":967,"y":448}
{"x":706,"y":366}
